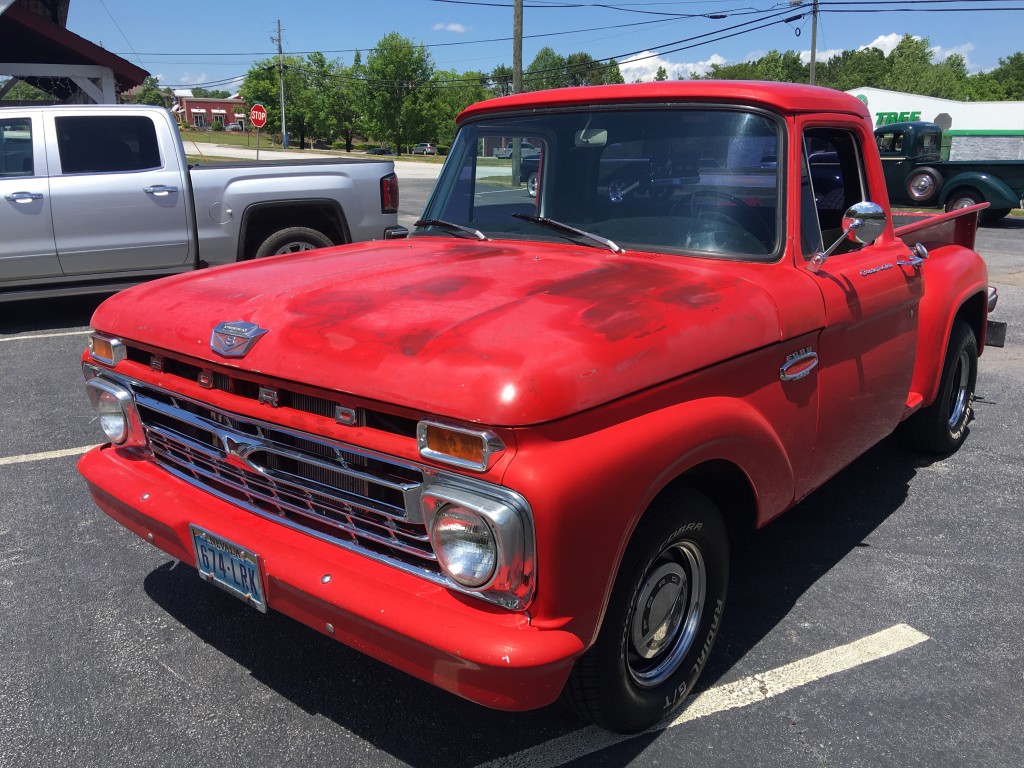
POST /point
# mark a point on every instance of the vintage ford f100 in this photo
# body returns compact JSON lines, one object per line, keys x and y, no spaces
{"x":505,"y":454}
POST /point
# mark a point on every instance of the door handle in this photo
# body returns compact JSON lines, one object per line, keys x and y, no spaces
{"x":23,"y":197}
{"x":159,"y":190}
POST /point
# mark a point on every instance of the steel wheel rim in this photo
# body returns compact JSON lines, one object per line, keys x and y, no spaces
{"x":296,"y":247}
{"x":963,"y":202}
{"x":959,"y":395}
{"x":666,"y":614}
{"x":921,"y":186}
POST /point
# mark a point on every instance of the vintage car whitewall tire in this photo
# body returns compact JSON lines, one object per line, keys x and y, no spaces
{"x":664,"y":613}
{"x":923,"y":185}
{"x":941,"y":428}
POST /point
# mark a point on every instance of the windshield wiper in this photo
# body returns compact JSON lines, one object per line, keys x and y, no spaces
{"x":558,"y":226}
{"x":452,"y":226}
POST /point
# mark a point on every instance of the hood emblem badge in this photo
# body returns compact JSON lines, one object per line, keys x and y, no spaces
{"x":235,"y":338}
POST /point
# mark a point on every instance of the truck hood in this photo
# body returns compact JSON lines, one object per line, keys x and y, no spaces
{"x":503,"y":333}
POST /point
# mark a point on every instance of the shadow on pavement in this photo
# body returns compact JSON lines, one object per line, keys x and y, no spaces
{"x":48,"y":314}
{"x":772,"y":569}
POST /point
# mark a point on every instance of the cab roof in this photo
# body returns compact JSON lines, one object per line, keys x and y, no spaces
{"x":789,"y":98}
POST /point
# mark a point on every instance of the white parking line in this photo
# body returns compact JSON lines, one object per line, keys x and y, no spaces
{"x":25,"y":458}
{"x":83,"y":332}
{"x":742,"y":693}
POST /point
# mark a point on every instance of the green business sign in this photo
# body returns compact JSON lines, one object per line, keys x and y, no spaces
{"x":885,"y":118}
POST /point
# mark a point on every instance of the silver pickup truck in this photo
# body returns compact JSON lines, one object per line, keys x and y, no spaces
{"x":96,"y":198}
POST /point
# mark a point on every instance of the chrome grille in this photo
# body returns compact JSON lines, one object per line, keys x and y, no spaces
{"x":362,"y":501}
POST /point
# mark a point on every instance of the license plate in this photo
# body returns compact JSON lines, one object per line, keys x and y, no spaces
{"x":232,"y":568}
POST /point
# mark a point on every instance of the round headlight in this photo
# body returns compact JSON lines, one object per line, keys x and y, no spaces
{"x":113,"y":421}
{"x":464,"y":545}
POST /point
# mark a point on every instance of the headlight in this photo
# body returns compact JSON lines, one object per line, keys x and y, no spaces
{"x":115,"y":407}
{"x":464,"y":545}
{"x":483,"y":539}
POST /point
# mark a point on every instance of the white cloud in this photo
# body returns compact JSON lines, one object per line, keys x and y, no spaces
{"x":451,"y":27}
{"x":885,"y":43}
{"x":644,"y":67}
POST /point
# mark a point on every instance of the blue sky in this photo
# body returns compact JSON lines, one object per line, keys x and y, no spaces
{"x":189,"y":42}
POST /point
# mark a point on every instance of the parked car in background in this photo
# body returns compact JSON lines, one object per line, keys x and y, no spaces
{"x":425,"y":148}
{"x":94,"y":198}
{"x":380,"y":151}
{"x":526,"y":149}
{"x":232,"y":127}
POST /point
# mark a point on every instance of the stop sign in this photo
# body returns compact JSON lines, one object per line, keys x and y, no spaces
{"x":258,"y":115}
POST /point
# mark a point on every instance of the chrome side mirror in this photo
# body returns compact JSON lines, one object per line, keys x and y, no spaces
{"x":863,"y":223}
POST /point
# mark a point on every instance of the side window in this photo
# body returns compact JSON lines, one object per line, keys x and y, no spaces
{"x":890,"y":142}
{"x":107,"y":144}
{"x":832,"y":181}
{"x":16,"y":147}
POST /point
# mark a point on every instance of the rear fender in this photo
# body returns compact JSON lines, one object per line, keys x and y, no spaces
{"x":956,"y":286}
{"x":992,"y":188}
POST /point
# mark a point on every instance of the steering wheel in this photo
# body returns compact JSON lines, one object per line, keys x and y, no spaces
{"x":688,"y":199}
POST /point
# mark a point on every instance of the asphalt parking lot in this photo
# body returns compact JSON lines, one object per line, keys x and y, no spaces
{"x":880,"y":623}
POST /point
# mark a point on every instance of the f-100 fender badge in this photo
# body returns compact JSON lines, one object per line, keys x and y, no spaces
{"x":235,"y":338}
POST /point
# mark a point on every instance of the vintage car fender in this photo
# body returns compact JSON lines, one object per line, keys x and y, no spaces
{"x":953,"y":282}
{"x":588,"y":489}
{"x":994,"y":190}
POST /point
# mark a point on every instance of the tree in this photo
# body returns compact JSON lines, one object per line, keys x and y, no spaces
{"x":450,"y":93}
{"x":261,"y":85}
{"x":324,"y":99}
{"x":501,"y":80}
{"x":203,"y":93}
{"x":661,"y":75}
{"x":1009,"y":75}
{"x":865,"y":68}
{"x":393,"y":101}
{"x":547,"y":70}
{"x":149,"y":93}
{"x":909,"y":64}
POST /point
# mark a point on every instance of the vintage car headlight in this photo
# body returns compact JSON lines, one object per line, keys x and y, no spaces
{"x":115,"y":406}
{"x":464,"y":545}
{"x":483,"y":538}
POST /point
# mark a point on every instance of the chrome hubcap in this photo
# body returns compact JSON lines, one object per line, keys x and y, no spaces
{"x":959,"y":396}
{"x":666,"y":614}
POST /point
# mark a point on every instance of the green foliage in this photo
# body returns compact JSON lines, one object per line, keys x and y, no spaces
{"x":203,"y":93}
{"x":550,"y":70}
{"x":150,"y":93}
{"x":661,"y":76}
{"x":22,"y":91}
{"x":395,"y":99}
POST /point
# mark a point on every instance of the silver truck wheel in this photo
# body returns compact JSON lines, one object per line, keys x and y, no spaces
{"x":923,"y":185}
{"x":531,"y":185}
{"x":941,"y":428}
{"x":964,"y":198}
{"x":662,"y":617}
{"x":293,"y":240}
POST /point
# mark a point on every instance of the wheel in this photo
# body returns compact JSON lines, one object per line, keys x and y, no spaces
{"x":964,"y":198}
{"x":293,"y":240}
{"x":531,"y":185}
{"x":942,"y":427}
{"x":923,"y":184}
{"x":662,"y":617}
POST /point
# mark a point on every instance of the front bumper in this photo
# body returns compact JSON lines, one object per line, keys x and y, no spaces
{"x":472,"y":649}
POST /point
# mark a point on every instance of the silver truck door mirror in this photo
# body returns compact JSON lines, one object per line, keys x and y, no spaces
{"x":863,"y":223}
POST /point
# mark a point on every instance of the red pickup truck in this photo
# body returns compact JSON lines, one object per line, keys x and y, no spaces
{"x":507,"y":453}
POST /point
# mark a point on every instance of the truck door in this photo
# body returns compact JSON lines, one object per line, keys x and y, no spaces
{"x":866,"y":354}
{"x":119,"y":197}
{"x":28,"y":250}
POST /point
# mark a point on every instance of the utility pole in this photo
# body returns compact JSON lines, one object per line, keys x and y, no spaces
{"x":517,"y":46}
{"x":814,"y":40}
{"x":280,"y":79}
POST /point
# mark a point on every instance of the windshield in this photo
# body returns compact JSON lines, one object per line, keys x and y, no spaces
{"x":701,"y":181}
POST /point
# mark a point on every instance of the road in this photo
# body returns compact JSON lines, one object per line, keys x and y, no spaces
{"x":880,"y":623}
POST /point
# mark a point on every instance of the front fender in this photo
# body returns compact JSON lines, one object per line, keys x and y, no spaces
{"x":994,"y":190}
{"x":588,"y":488}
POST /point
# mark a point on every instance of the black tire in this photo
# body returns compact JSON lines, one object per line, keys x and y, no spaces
{"x":531,"y":185}
{"x":662,"y":617}
{"x":941,"y":428}
{"x":923,"y":185}
{"x":293,"y":240}
{"x":993,"y":215}
{"x":964,"y":198}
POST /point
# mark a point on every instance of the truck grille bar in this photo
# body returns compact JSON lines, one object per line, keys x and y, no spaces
{"x":366,"y":502}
